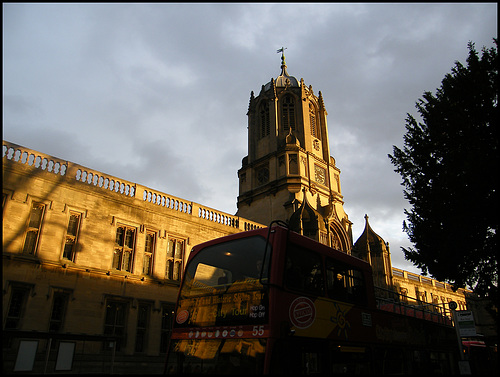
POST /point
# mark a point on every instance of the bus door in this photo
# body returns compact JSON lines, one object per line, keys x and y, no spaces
{"x":299,"y":356}
{"x":349,"y":359}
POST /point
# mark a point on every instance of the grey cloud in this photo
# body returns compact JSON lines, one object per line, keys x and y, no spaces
{"x":158,"y":93}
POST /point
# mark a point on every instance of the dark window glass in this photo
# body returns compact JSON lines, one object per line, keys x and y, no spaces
{"x":33,"y":231}
{"x":345,"y":283}
{"x":59,"y":305}
{"x":143,"y":311}
{"x":15,"y":311}
{"x":304,"y":270}
{"x":115,"y":321}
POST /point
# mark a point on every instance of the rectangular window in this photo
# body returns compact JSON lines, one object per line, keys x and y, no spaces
{"x":17,"y":304}
{"x":34,"y":225}
{"x":288,"y":113}
{"x":304,"y":270}
{"x":265,"y":124}
{"x":124,"y":251}
{"x":293,"y":167}
{"x":59,"y":306}
{"x":115,"y":321}
{"x":175,"y":255}
{"x":142,"y":326}
{"x":167,"y":316}
{"x":149,"y":250}
{"x":72,"y":236}
{"x":345,"y":283}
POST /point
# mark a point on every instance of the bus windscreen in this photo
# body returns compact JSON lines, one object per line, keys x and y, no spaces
{"x":223,"y":284}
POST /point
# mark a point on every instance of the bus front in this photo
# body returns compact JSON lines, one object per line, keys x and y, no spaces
{"x":221,"y":320}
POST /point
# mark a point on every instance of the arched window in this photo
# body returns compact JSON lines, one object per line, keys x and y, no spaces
{"x":312,"y":121}
{"x":288,"y":113}
{"x":265,"y":123}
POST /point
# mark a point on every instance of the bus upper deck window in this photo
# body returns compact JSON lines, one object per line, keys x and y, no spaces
{"x":304,"y":270}
{"x":345,"y":283}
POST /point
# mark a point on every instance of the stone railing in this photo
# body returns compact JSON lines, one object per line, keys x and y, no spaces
{"x":409,"y":276}
{"x":97,"y":179}
{"x":14,"y":152}
{"x":73,"y":172}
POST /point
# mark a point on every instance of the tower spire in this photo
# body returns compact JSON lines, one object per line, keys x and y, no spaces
{"x":283,"y":64}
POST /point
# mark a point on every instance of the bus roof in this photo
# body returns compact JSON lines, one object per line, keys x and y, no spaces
{"x":294,"y":237}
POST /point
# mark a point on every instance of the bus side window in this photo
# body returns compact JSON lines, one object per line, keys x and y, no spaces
{"x":304,"y":270}
{"x":345,"y":283}
{"x":336,"y":281}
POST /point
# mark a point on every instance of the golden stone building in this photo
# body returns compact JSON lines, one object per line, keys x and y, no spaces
{"x":92,"y":263}
{"x":88,"y":253}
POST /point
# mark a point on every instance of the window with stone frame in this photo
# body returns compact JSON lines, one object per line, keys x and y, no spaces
{"x":115,"y":321}
{"x":312,"y":121}
{"x":175,"y":257}
{"x":167,"y":316}
{"x":149,"y":251}
{"x":59,"y":307}
{"x":124,"y":250}
{"x":17,"y":305}
{"x":72,"y":235}
{"x":32,"y":237}
{"x":288,"y":113}
{"x":143,"y":313}
{"x":265,"y":121}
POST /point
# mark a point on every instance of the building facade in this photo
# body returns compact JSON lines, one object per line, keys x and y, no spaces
{"x":92,"y":263}
{"x":88,"y":253}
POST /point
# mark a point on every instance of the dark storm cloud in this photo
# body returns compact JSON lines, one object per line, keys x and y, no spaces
{"x":158,"y":93}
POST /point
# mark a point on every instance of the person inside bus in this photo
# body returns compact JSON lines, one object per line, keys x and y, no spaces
{"x":293,"y":275}
{"x":223,"y":280}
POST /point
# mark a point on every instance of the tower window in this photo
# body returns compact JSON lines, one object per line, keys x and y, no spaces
{"x":312,"y":121}
{"x":265,"y":123}
{"x":288,"y":113}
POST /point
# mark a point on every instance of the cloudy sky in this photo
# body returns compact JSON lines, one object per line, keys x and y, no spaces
{"x":158,"y":93}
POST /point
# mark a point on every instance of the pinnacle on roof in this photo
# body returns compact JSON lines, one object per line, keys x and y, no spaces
{"x":284,"y":79}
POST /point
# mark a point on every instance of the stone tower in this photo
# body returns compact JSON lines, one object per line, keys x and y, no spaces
{"x":373,"y":249}
{"x":289,"y":174}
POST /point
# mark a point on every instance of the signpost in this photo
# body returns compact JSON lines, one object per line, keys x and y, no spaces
{"x":465,"y":322}
{"x":464,"y":327}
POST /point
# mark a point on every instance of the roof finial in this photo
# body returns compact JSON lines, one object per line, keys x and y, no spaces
{"x":283,"y":64}
{"x":282,"y":50}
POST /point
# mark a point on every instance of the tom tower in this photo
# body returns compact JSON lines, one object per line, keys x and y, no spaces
{"x":288,"y":173}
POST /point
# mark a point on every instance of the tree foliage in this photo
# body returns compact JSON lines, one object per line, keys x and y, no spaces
{"x":449,"y":167}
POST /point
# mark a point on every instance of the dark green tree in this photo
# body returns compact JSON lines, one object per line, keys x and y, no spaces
{"x":449,"y":166}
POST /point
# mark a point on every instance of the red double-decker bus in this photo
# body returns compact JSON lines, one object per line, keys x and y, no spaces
{"x":271,"y":301}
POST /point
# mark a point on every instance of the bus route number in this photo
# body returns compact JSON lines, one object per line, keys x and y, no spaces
{"x":258,"y":330}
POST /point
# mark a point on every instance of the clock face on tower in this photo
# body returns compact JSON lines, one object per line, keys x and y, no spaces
{"x":262,"y":176}
{"x":320,"y":174}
